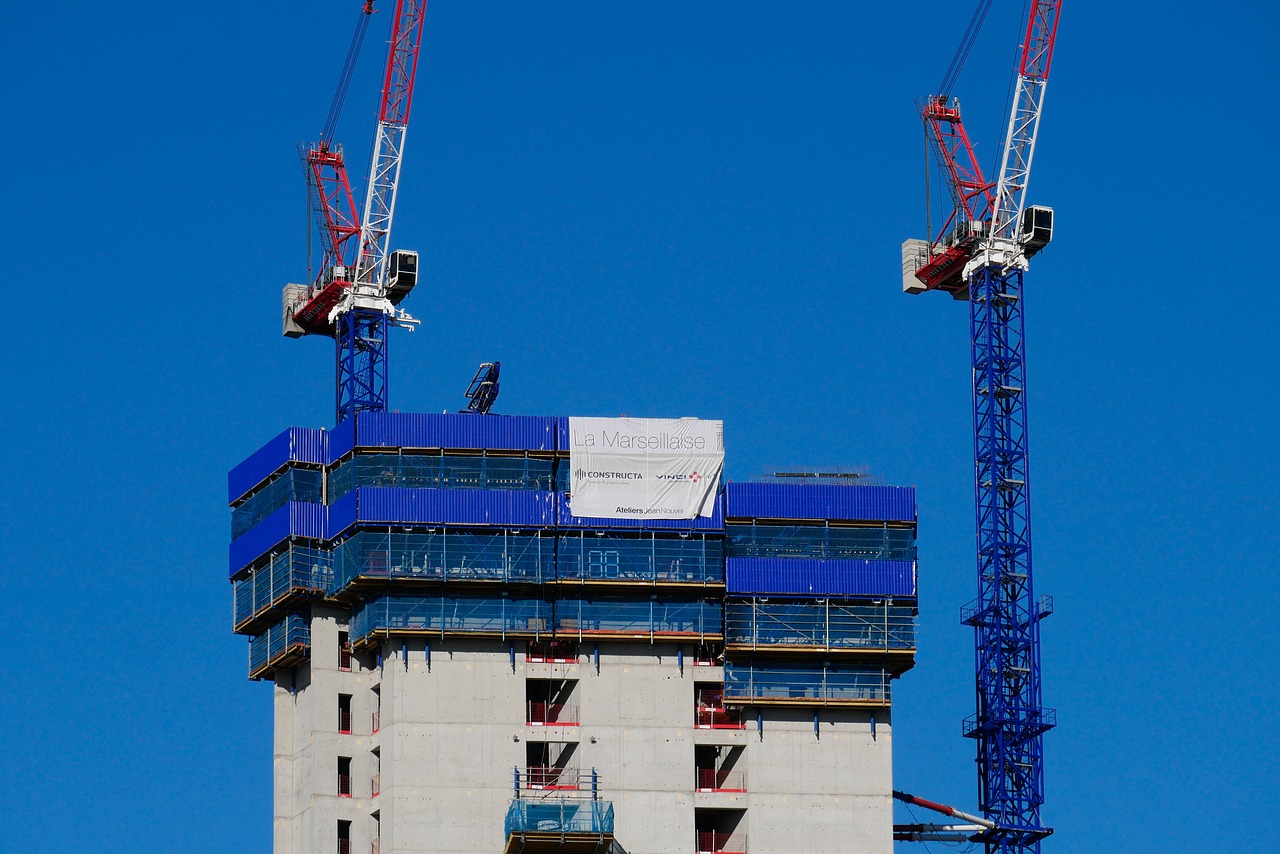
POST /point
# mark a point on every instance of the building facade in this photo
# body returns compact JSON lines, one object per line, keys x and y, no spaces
{"x":461,"y":664}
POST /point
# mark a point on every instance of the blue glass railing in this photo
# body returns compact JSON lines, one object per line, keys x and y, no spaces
{"x":296,"y":571}
{"x":440,"y":472}
{"x":450,"y":614}
{"x":591,"y":557}
{"x":822,"y":624}
{"x":745,"y":683}
{"x":587,"y":616}
{"x":559,"y":815}
{"x":820,"y":541}
{"x":289,"y":638}
{"x":290,"y":485}
{"x":522,"y":616}
{"x":444,"y":555}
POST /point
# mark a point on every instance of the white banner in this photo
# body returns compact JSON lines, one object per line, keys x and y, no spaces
{"x":645,"y":468}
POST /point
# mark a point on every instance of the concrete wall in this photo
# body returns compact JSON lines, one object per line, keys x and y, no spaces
{"x":308,"y":744}
{"x":453,"y":730}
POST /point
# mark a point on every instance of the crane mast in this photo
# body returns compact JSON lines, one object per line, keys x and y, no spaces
{"x":982,"y":259}
{"x":361,"y":283}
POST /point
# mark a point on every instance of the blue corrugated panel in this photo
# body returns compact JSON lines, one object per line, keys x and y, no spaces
{"x":342,"y":514}
{"x":820,"y":501}
{"x":392,"y":505}
{"x":566,"y":519}
{"x":455,"y":431}
{"x":771,"y":576}
{"x":295,"y":519}
{"x":296,"y":444}
{"x":341,"y":440}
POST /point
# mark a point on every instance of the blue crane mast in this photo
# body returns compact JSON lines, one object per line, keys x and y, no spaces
{"x":356,"y":296}
{"x":981,"y":257}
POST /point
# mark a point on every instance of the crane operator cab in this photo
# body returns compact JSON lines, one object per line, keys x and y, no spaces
{"x":403,"y":275}
{"x":1036,"y":229}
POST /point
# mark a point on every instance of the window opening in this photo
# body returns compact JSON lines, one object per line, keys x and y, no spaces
{"x":344,"y":651}
{"x":551,"y":702}
{"x":344,"y":714}
{"x":344,"y":776}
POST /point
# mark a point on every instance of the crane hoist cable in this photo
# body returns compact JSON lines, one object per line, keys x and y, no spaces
{"x":348,"y":69}
{"x":966,"y":45}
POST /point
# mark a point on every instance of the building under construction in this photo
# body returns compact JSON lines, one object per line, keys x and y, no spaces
{"x":460,"y":663}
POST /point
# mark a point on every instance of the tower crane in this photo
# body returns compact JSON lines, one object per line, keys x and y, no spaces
{"x":355,"y":297}
{"x":981,"y":257}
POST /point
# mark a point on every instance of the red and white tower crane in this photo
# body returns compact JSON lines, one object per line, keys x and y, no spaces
{"x":981,"y":257}
{"x":356,"y":295}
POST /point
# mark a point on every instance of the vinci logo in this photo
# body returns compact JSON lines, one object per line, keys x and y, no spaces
{"x":687,"y":478}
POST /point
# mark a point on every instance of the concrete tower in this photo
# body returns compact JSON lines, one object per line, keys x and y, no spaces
{"x":462,"y":664}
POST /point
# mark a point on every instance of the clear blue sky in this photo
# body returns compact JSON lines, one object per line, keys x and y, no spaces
{"x":659,"y":209}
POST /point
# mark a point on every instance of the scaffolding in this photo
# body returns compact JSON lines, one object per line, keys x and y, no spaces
{"x":292,"y":484}
{"x":284,"y":644}
{"x":280,"y":580}
{"x":823,"y":625}
{"x":645,"y":557}
{"x":782,"y":683}
{"x":822,"y":542}
{"x":564,"y":618}
{"x":442,"y":471}
{"x":445,"y":555}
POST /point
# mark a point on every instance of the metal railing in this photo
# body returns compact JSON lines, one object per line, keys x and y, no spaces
{"x":717,"y":717}
{"x":718,"y":842}
{"x":297,"y":571}
{"x":820,"y":541}
{"x":434,"y":471}
{"x":344,"y":721}
{"x":444,"y":556}
{"x":747,"y":683}
{"x":292,"y":484}
{"x":551,"y":714}
{"x":375,"y":721}
{"x":826,"y":625}
{"x":652,"y":617}
{"x":552,"y":652}
{"x":640,"y":557}
{"x":286,"y":641}
{"x":497,"y":615}
{"x":721,"y":780}
{"x":560,"y":816}
{"x":375,"y":785}
{"x":344,"y":785}
{"x":450,"y":613}
{"x":555,"y":778}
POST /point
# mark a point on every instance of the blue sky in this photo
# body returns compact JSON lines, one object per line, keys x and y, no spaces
{"x":659,"y":209}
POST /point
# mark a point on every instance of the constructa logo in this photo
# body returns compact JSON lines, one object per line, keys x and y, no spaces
{"x":583,"y":474}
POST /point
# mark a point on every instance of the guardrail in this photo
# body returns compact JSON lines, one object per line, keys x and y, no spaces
{"x":551,"y":714}
{"x":560,"y":816}
{"x":822,"y":624}
{"x":721,"y":780}
{"x":716,"y":842}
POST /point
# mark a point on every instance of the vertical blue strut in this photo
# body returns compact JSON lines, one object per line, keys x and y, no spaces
{"x":362,"y":362}
{"x":1010,"y":722}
